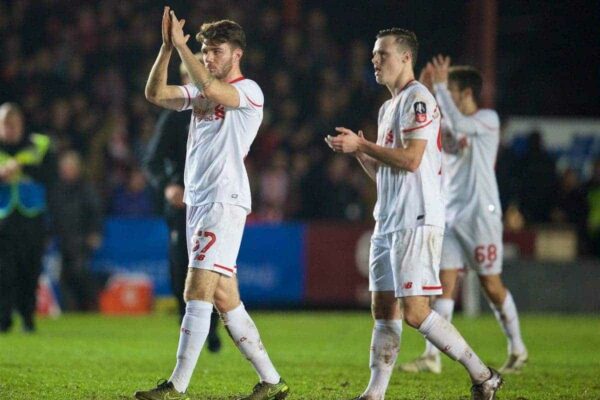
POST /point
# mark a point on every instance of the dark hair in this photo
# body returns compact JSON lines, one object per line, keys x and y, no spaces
{"x":403,"y":37}
{"x":465,"y":77}
{"x":224,"y":31}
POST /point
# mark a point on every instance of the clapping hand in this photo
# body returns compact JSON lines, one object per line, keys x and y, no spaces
{"x":178,"y":38}
{"x":346,"y":142}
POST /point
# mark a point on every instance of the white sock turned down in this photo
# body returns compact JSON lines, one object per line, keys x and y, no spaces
{"x":246,"y":337}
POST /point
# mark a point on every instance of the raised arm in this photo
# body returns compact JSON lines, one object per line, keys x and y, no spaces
{"x":439,"y":69}
{"x":213,"y":89}
{"x":157,"y":91}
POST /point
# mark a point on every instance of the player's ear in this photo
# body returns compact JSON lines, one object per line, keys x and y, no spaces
{"x":238,"y":53}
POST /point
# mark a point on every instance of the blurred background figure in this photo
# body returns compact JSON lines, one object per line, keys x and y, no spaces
{"x":27,"y":171}
{"x":132,"y":198}
{"x":539,"y":181}
{"x":77,"y":223}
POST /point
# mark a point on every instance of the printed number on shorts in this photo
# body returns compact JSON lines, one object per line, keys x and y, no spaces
{"x":212,"y":238}
{"x":483,"y":253}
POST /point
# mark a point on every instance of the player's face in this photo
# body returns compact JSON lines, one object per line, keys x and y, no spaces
{"x":389,"y":60}
{"x":219,"y":59}
{"x":11,"y":127}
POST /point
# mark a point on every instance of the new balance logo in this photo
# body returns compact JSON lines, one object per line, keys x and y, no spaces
{"x":408,"y":285}
{"x":389,"y":138}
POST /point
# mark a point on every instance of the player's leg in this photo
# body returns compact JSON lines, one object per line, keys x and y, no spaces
{"x":416,"y":267}
{"x":208,"y":228}
{"x":200,"y":287}
{"x":387,"y":330}
{"x":452,"y":260}
{"x":430,"y":360}
{"x":246,"y":337}
{"x":486,"y":259}
{"x":505,"y":311}
{"x":178,"y":265}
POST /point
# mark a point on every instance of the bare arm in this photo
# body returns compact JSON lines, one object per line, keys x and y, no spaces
{"x":157,"y":91}
{"x":408,"y":158}
{"x":212,"y":88}
{"x":439,"y":71}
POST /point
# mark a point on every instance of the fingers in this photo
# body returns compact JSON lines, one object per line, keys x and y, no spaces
{"x":345,"y":131}
{"x":182,"y":23}
{"x":360,"y":133}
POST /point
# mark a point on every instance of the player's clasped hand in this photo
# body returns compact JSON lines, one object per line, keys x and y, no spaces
{"x":177,"y":36}
{"x":346,"y":142}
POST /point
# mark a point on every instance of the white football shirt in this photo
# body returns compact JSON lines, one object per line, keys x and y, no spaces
{"x":470,"y":149}
{"x":218,"y":141}
{"x":409,"y":199}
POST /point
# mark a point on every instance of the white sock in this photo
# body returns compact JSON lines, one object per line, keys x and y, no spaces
{"x":446,"y":338}
{"x":194,"y":330}
{"x":508,"y":318}
{"x":246,"y":337}
{"x":445,"y":308}
{"x":385,"y":344}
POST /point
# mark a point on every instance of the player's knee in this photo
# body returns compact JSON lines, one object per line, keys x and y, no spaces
{"x":494,"y":288}
{"x":384,"y":311}
{"x":194,"y":294}
{"x":413,"y":318}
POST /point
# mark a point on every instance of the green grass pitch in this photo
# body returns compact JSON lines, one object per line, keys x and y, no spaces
{"x":322,"y":355}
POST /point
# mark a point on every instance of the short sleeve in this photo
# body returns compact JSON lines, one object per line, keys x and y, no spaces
{"x":251,"y":96}
{"x":189,"y":92}
{"x":420,"y":109}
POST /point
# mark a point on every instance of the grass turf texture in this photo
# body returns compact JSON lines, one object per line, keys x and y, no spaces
{"x":321,"y":355}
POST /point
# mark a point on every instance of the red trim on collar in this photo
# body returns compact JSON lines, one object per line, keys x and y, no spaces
{"x":237,"y":79}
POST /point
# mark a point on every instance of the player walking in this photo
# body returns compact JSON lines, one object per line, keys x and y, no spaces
{"x":227,"y":112}
{"x":473,"y":233}
{"x":406,"y":244}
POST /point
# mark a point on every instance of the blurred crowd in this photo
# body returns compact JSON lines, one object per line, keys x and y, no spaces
{"x":79,"y":69}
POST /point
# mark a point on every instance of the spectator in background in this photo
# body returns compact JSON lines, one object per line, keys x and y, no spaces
{"x":77,"y":222}
{"x":132,"y":199}
{"x":538,"y":181}
{"x":592,"y":190}
{"x":27,"y":171}
{"x":571,"y":205}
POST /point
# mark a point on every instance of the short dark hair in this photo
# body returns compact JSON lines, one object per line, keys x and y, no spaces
{"x":223,"y":31}
{"x":465,"y":77}
{"x":404,"y":37}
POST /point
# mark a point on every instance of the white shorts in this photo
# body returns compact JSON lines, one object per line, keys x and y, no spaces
{"x":407,"y":262}
{"x":476,"y":244}
{"x":214,"y":234}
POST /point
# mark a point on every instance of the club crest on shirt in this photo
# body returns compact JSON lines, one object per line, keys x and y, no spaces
{"x":420,"y":111}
